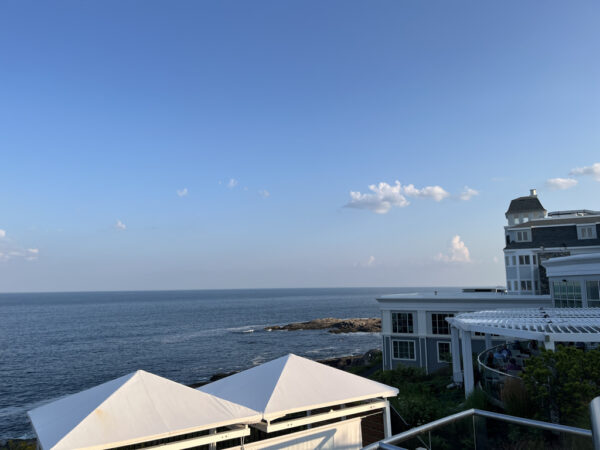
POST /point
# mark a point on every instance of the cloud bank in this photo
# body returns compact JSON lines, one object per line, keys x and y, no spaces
{"x":593,"y":170}
{"x":382,"y":197}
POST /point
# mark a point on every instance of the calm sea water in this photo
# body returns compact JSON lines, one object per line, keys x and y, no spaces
{"x":59,"y":343}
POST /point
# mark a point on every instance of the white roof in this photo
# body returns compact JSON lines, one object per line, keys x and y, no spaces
{"x":135,"y":408}
{"x":583,"y":264}
{"x":291,"y":384}
{"x":555,"y":324}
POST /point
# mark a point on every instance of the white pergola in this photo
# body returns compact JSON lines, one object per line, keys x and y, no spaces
{"x":548,"y":325}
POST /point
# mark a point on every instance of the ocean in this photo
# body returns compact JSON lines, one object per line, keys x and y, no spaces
{"x":54,"y":344}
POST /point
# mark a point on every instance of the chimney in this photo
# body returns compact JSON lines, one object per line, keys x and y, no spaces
{"x":532,"y":192}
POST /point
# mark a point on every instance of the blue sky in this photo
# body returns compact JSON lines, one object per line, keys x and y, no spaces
{"x":108,"y":109}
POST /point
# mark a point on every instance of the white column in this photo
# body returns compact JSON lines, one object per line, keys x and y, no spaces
{"x":467,"y":362}
{"x":212,"y":446}
{"x":549,"y":345}
{"x":387,"y":421}
{"x":455,"y":350}
{"x":488,"y":340}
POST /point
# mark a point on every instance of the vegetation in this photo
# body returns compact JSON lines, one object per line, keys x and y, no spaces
{"x":562,"y":383}
{"x":557,"y":386}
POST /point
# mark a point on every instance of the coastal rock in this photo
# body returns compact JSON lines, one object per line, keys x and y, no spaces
{"x":368,"y":325}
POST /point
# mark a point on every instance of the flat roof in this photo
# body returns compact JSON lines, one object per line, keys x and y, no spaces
{"x":462,"y":296}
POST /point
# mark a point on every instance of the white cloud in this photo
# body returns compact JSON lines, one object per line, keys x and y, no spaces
{"x":593,"y":170}
{"x":468,"y":193}
{"x":458,"y":252}
{"x":561,"y":183}
{"x":371,"y":261}
{"x":120,"y":225}
{"x":182,"y":192}
{"x":264,"y":193}
{"x":10,"y":250}
{"x":436,"y":193}
{"x":232,"y":183}
{"x":381,"y":199}
{"x":384,"y":196}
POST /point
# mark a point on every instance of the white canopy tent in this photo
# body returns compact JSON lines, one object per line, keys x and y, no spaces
{"x":139,"y":407}
{"x":293,"y":384}
{"x":548,"y":325}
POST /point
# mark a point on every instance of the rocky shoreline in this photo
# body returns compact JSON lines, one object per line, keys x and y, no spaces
{"x":333,"y":325}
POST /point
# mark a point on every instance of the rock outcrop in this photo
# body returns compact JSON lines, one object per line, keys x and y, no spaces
{"x":369,"y":325}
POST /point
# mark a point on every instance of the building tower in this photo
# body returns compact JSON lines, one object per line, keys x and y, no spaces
{"x":533,"y":235}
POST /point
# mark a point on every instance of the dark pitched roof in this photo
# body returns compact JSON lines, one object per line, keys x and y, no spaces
{"x":525,"y":204}
{"x":558,"y":222}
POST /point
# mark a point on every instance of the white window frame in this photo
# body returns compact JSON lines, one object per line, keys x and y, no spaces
{"x":586,"y":232}
{"x":447,"y":314}
{"x":523,"y":236}
{"x":413,"y":321}
{"x":414,"y":350}
{"x":439,"y":360}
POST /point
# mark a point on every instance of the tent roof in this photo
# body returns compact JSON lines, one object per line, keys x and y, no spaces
{"x":556,"y":324}
{"x":291,"y":384}
{"x":134,"y":408}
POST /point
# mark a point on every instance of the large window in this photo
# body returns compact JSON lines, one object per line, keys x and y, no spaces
{"x":439,"y":324}
{"x":404,"y":350}
{"x":526,"y":285}
{"x":523,"y":236}
{"x":567,"y":294}
{"x":443,"y":352}
{"x":402,"y":323}
{"x":523,"y":260}
{"x":593,"y":293}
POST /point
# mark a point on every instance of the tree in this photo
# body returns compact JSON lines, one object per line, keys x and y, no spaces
{"x":562,"y":383}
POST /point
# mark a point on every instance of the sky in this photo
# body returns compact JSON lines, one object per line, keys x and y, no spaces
{"x":235,"y":144}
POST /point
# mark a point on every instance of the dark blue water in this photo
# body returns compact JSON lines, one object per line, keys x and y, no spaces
{"x":60,"y":343}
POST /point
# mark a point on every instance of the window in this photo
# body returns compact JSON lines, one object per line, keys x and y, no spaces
{"x":507,"y":260}
{"x":523,"y":260}
{"x":522,"y":236}
{"x":586,"y":232}
{"x":516,"y":284}
{"x":567,"y":294}
{"x":439,"y":324}
{"x":593,"y":293}
{"x":402,"y":323}
{"x":404,"y":350}
{"x":525,"y":285}
{"x":444,"y":354}
{"x":534,"y":258}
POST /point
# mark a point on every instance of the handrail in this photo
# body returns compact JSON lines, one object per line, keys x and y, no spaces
{"x":595,"y":419}
{"x":491,"y":368}
{"x":487,"y":414}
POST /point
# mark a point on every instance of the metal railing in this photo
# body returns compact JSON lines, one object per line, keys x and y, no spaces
{"x":388,"y":444}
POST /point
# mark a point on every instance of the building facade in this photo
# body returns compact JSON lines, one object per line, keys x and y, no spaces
{"x":415,"y":331}
{"x":533,"y":236}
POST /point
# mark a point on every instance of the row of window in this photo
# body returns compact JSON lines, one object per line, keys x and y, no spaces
{"x":524,"y":260}
{"x":402,"y":322}
{"x":406,"y":350}
{"x":567,"y":294}
{"x":525,"y":285}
